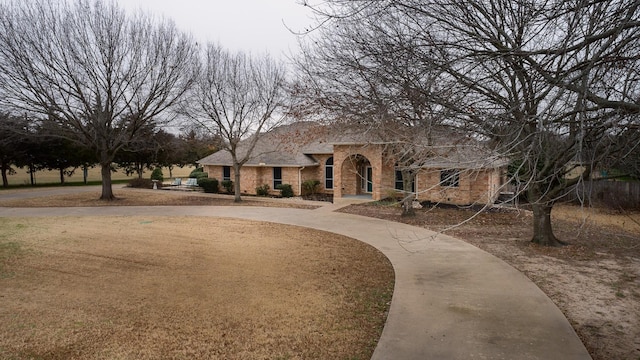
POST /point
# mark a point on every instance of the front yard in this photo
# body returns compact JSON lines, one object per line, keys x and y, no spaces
{"x":177,"y":288}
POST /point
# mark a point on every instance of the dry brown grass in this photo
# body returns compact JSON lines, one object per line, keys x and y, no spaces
{"x":186,"y":288}
{"x":139,"y":197}
{"x":21,"y":177}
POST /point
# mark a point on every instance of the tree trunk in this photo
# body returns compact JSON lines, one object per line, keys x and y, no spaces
{"x":32,"y":174}
{"x":407,"y":201}
{"x":61,"y":176}
{"x":139,"y":170}
{"x":236,"y":183}
{"x":407,"y":206}
{"x":107,"y":191}
{"x":542,"y":230}
{"x":5,"y":180}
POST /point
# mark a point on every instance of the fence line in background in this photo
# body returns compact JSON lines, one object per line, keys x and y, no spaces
{"x":623,"y":191}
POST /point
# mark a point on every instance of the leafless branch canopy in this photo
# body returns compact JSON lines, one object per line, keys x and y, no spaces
{"x":97,"y":75}
{"x":553,"y":85}
{"x":237,"y":97}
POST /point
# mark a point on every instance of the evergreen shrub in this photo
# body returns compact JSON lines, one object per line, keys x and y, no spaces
{"x":228,"y":186}
{"x":157,"y":174}
{"x":262,"y":190}
{"x":286,"y":191}
{"x":310,"y":187}
{"x":209,"y":185}
{"x":198,"y":174}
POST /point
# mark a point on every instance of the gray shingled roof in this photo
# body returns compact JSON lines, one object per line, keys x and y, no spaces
{"x":463,"y":156}
{"x":279,"y":147}
{"x":295,"y":144}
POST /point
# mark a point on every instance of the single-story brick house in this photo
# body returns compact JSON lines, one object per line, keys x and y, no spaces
{"x":347,"y":163}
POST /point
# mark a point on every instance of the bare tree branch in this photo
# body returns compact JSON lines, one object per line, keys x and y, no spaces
{"x":97,"y":75}
{"x":237,"y":97}
{"x":550,"y":84}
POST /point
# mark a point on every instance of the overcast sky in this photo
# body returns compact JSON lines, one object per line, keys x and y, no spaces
{"x":249,"y":25}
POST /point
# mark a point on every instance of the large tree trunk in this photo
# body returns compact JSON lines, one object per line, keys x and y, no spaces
{"x":32,"y":174}
{"x":107,"y":191}
{"x":542,"y":230}
{"x":85,"y":173}
{"x":407,"y":206}
{"x":5,"y":180}
{"x":407,"y":201}
{"x":61,"y":176}
{"x":139,"y":170}
{"x":236,"y":183}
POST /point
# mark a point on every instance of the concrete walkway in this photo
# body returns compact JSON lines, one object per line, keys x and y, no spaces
{"x":451,"y":300}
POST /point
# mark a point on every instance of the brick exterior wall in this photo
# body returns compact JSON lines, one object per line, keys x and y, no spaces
{"x":348,"y":161}
{"x":253,"y":176}
{"x":475,"y":186}
{"x":318,"y":173}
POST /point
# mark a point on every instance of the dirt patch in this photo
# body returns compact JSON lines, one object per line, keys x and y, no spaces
{"x":187,"y":288}
{"x":595,"y":280}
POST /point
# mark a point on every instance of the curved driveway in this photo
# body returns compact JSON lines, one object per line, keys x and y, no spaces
{"x":451,"y":300}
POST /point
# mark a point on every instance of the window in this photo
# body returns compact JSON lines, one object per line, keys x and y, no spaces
{"x":328,"y":173}
{"x":226,"y":173}
{"x":400,"y":183}
{"x":366,"y":181}
{"x":277,"y":177}
{"x":450,"y":178}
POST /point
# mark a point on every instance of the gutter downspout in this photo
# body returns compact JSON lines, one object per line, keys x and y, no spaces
{"x":300,"y":180}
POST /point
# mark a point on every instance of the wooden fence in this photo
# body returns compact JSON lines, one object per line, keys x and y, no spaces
{"x":624,"y":194}
{"x":615,"y":194}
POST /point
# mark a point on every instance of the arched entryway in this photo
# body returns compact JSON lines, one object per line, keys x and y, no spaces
{"x":357,"y":176}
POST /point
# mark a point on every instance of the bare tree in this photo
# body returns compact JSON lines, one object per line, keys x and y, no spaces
{"x":627,"y":164}
{"x":96,"y":74}
{"x":142,"y":154}
{"x":238,"y":97}
{"x":355,"y":81}
{"x":550,"y":83}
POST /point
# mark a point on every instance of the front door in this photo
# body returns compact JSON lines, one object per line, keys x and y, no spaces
{"x":366,"y":176}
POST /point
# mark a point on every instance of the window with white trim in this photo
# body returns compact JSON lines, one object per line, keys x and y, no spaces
{"x":277,"y":177}
{"x":328,"y":173}
{"x":226,"y":173}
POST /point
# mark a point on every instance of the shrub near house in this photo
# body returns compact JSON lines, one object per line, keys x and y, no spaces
{"x":285,"y":190}
{"x":262,"y":190}
{"x":228,"y":186}
{"x":209,"y":185}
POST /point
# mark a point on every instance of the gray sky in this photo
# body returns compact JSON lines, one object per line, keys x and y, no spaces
{"x":249,"y":25}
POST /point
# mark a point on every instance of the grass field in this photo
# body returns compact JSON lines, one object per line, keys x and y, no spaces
{"x":21,"y":177}
{"x":170,"y":288}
